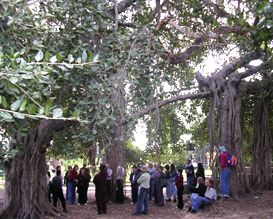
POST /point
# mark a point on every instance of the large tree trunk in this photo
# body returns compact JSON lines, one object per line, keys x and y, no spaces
{"x":25,"y":186}
{"x":261,"y":143}
{"x":231,"y":137}
{"x":116,"y":152}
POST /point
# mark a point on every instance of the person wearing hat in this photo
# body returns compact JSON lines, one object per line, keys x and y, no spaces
{"x":225,"y":171}
{"x":144,"y":184}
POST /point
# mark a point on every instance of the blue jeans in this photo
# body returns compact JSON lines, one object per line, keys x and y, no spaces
{"x":71,"y":192}
{"x":189,"y":182}
{"x":152,"y":188}
{"x":224,"y":180}
{"x":142,"y":200}
{"x":197,"y":201}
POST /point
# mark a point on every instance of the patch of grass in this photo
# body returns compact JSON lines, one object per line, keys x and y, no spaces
{"x":1,"y":187}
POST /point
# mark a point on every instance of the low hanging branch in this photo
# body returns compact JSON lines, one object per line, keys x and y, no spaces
{"x":146,"y":110}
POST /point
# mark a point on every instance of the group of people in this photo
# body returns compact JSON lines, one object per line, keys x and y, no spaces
{"x":146,"y":184}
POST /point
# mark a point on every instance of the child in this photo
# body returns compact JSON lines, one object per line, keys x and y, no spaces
{"x":180,"y":189}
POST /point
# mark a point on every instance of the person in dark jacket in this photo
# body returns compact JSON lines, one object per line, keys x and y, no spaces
{"x":200,"y":171}
{"x":134,"y":184}
{"x":101,"y":193}
{"x":190,"y":175}
{"x":82,"y":185}
{"x":201,"y":188}
{"x":180,"y":188}
{"x":159,"y":177}
{"x":58,"y":191}
{"x":66,"y":180}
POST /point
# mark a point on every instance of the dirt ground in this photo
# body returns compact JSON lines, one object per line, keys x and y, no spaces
{"x":256,"y":206}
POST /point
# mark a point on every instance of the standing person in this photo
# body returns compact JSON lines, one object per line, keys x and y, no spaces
{"x":225,"y":171}
{"x":159,"y":177}
{"x":48,"y":176}
{"x":173,"y":177}
{"x":144,"y":185}
{"x":101,"y":193}
{"x":66,"y":180}
{"x":73,"y":174}
{"x":81,"y":184}
{"x":180,"y":188}
{"x":210,"y":197}
{"x":155,"y":193}
{"x":152,"y":172}
{"x":120,"y":180}
{"x":86,"y":185}
{"x":83,"y":167}
{"x":167,"y":178}
{"x":190,"y":175}
{"x":200,"y":171}
{"x":134,"y":184}
{"x":109,"y":182}
{"x":58,"y":191}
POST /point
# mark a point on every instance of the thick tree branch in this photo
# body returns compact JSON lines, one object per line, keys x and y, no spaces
{"x":237,"y":77}
{"x":236,"y":64}
{"x":122,"y":6}
{"x":146,"y":110}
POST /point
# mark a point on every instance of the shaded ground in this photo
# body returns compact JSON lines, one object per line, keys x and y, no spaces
{"x":259,"y":206}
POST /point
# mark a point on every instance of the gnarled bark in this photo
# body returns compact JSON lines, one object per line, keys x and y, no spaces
{"x":25,"y":186}
{"x":261,"y":144}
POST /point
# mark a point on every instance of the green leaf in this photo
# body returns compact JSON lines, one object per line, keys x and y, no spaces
{"x":90,"y":57}
{"x":23,"y":105}
{"x":4,"y":101}
{"x":31,"y":108}
{"x":75,"y":114}
{"x":241,"y":19}
{"x":84,"y":56}
{"x":59,"y":57}
{"x":19,"y":115}
{"x":39,"y":56}
{"x":15,"y":105}
{"x":0,"y":99}
{"x":58,"y":112}
{"x":47,"y":56}
{"x":48,"y":106}
{"x":5,"y":115}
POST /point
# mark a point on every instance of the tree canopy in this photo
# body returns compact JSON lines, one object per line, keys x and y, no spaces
{"x":83,"y":73}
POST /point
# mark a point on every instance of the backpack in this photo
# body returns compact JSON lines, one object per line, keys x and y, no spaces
{"x":232,"y":160}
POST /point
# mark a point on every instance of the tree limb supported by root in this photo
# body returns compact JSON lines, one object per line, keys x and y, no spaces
{"x":146,"y":110}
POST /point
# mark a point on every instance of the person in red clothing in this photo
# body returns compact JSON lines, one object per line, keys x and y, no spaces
{"x":225,"y":171}
{"x":180,"y":188}
{"x":73,"y":174}
{"x":101,"y":193}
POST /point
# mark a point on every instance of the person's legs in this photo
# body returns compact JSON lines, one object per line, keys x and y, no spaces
{"x":189,"y":182}
{"x":61,"y":196}
{"x":146,"y":202}
{"x":108,"y":189}
{"x":99,"y":204}
{"x":194,"y":197}
{"x":140,"y":200}
{"x":228,"y":172}
{"x":160,"y":197}
{"x":134,"y":194}
{"x":70,"y":191}
{"x":152,"y":189}
{"x":55,"y":198}
{"x":73,"y":195}
{"x":223,"y":180}
{"x":180,"y":203}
